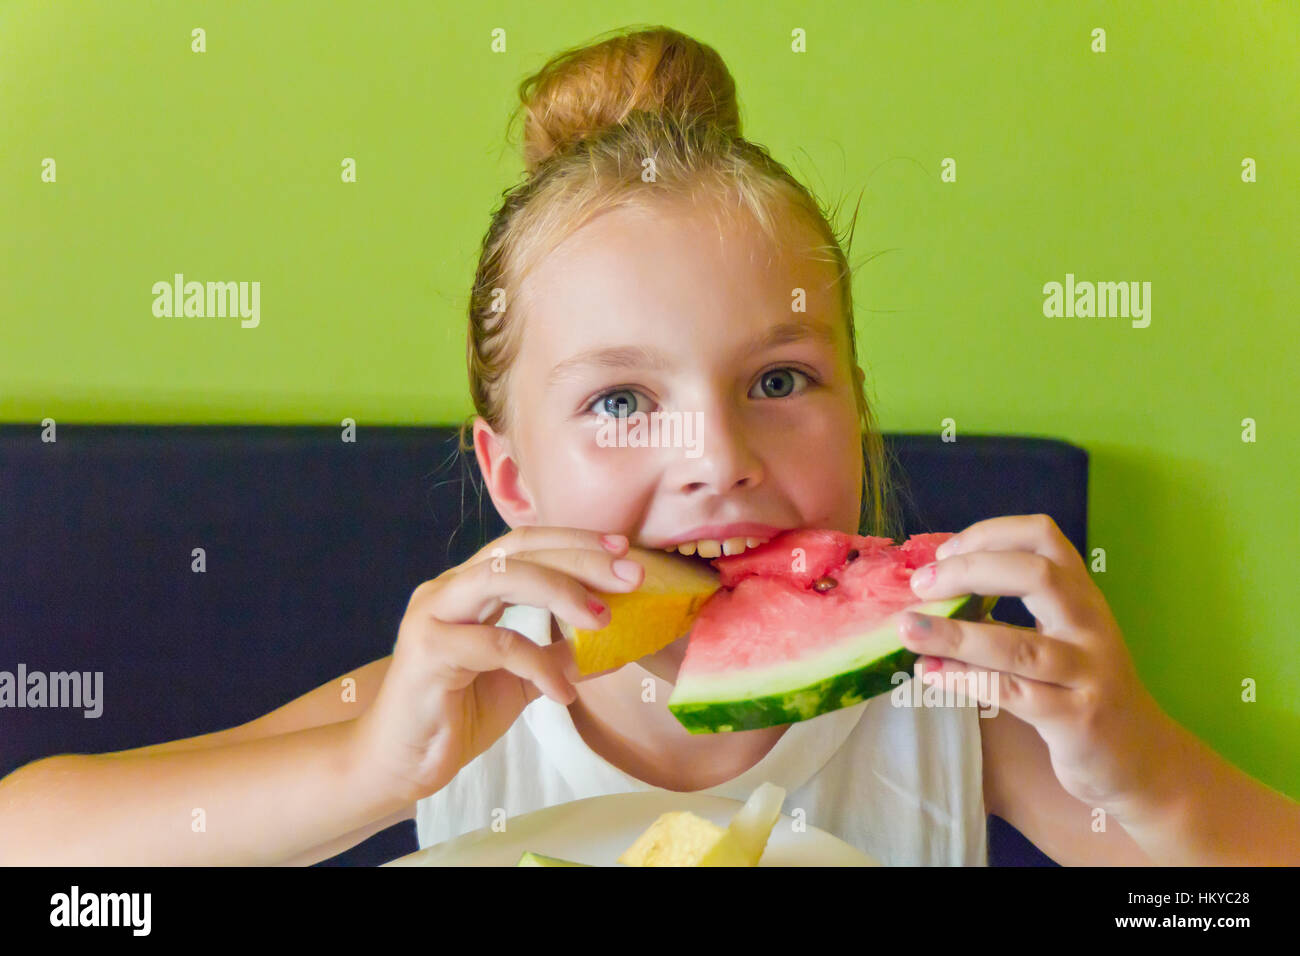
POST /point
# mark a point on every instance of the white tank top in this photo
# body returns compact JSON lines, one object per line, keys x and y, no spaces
{"x":902,"y":784}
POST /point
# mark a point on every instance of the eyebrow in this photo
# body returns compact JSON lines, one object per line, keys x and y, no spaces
{"x":640,"y":357}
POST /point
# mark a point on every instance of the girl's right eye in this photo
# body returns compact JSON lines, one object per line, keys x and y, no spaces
{"x":618,"y":402}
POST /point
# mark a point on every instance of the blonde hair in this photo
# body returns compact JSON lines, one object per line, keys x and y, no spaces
{"x":592,"y":115}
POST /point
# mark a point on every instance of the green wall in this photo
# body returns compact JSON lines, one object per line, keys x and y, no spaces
{"x":1117,"y":166}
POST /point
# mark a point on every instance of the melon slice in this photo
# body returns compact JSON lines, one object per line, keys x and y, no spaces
{"x":753,"y":823}
{"x":530,"y":858}
{"x":682,"y":838}
{"x":648,"y":619}
{"x":778,"y":645}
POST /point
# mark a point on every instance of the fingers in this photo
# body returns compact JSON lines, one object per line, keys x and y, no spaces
{"x":553,"y":568}
{"x":459,"y":653}
{"x":1045,"y":587}
{"x":1017,"y":651}
{"x":544,"y":537}
{"x":1037,"y":703}
{"x":563,"y":652}
{"x":1036,"y":533}
{"x":563,"y":581}
{"x":599,"y":570}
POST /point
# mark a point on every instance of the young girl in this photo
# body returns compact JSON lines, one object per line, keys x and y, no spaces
{"x":656,"y":261}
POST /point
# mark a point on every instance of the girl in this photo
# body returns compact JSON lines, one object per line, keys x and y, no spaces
{"x":656,"y":261}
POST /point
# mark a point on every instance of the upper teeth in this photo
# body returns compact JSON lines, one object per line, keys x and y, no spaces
{"x":712,"y":548}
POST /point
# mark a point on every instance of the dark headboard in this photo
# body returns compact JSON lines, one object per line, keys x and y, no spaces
{"x":312,"y":547}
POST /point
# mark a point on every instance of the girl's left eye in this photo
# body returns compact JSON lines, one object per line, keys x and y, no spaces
{"x":777,"y":376}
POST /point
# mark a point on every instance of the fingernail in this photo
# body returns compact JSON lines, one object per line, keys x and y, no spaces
{"x":613,"y":542}
{"x":595,"y":607}
{"x":919,"y":622}
{"x":627,"y":570}
{"x":924,"y":577}
{"x":951,"y":546}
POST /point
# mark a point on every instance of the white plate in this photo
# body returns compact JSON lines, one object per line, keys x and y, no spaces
{"x":597,"y":830}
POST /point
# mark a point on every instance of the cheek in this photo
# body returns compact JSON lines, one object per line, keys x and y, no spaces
{"x":586,"y":486}
{"x":825,"y":435}
{"x":820,"y":465}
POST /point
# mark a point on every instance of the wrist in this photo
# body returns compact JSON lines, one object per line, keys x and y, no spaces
{"x":378,"y":789}
{"x":1161,"y":792}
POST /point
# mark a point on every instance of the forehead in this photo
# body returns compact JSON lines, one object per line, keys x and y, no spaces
{"x":667,"y":275}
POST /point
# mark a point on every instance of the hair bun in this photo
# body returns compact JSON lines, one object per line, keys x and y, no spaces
{"x":587,"y":89}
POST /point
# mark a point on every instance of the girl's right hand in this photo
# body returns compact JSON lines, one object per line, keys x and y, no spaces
{"x":456,"y":683}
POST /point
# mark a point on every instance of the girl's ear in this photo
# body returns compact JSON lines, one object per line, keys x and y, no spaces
{"x":501,"y":476}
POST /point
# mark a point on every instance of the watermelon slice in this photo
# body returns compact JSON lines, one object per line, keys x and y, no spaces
{"x":803,"y":625}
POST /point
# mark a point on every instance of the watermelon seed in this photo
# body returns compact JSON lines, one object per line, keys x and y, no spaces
{"x":825,"y":583}
{"x":853,"y":554}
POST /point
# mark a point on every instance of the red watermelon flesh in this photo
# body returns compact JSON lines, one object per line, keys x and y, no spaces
{"x":762,"y":615}
{"x":801,"y":556}
{"x":769,"y":647}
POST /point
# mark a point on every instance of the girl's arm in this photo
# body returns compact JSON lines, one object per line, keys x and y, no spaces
{"x":1071,"y":678}
{"x":283,"y":788}
{"x":1200,"y":810}
{"x":349,"y":840}
{"x":1020,"y":786}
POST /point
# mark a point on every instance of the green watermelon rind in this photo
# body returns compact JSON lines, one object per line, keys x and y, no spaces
{"x":704,"y":706}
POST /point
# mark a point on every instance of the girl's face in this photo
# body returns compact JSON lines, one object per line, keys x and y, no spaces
{"x":649,"y":313}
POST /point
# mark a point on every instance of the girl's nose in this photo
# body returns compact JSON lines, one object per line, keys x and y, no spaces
{"x":725,"y":461}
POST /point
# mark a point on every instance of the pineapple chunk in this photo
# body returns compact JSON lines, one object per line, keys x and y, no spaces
{"x":681,"y":838}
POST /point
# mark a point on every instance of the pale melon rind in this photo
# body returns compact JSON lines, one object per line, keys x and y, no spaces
{"x":851,"y":672}
{"x":752,"y":824}
{"x":530,"y":858}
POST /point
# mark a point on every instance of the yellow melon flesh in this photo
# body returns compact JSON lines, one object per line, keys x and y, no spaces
{"x":681,"y":838}
{"x":684,"y":839}
{"x":648,"y":619}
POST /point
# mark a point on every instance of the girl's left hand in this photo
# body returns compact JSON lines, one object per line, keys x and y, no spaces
{"x":1072,"y":677}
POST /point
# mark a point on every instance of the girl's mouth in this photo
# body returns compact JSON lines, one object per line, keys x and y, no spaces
{"x":710,"y":548}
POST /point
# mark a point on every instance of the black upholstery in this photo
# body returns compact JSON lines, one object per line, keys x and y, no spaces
{"x":312,"y":548}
